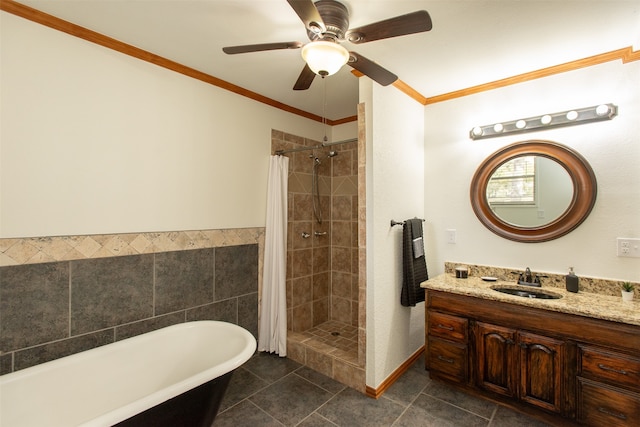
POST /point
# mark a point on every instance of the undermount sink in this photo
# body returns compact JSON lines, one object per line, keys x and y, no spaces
{"x":526,"y":293}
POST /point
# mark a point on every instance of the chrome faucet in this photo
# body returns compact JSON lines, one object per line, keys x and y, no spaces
{"x":528,"y":279}
{"x":527,"y":275}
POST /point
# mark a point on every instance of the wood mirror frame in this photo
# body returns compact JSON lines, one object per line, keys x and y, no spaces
{"x":583,"y":200}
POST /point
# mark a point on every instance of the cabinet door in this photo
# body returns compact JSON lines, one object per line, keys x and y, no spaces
{"x":541,"y":359}
{"x":497,"y":358}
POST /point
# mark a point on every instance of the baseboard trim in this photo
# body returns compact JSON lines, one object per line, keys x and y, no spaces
{"x":377,"y":392}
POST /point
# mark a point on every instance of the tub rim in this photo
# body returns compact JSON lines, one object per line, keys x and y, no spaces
{"x":139,"y":405}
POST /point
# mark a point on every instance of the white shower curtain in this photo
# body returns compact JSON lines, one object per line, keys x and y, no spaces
{"x":272,"y":334}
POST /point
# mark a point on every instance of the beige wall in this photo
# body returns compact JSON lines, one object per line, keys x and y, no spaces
{"x":94,"y":141}
{"x":411,"y":173}
{"x":611,"y":147}
{"x":394,"y":190}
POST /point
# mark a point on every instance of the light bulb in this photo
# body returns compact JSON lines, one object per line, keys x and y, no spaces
{"x":572,"y":115}
{"x":602,"y":110}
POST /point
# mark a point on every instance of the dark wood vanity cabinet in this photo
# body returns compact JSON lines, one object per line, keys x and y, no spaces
{"x":519,"y":364}
{"x":541,"y":371}
{"x":550,"y":363}
{"x":497,"y":359}
{"x":449,"y":352}
{"x":608,"y":388}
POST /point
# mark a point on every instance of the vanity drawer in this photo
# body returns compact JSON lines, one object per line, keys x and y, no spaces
{"x":448,"y":327}
{"x":612,"y":368}
{"x":448,"y":358}
{"x":601,"y":405}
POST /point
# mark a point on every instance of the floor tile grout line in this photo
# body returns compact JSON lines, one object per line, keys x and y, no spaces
{"x":316,"y":413}
{"x":403,"y":403}
{"x":328,"y":400}
{"x":461,"y":408}
{"x":248,"y":397}
{"x":493,"y":415}
{"x":294,"y":372}
{"x":319,"y":386}
{"x":276,"y":380}
{"x":409,"y":405}
{"x":268,"y":414}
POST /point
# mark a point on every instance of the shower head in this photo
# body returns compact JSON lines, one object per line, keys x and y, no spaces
{"x":332,"y":154}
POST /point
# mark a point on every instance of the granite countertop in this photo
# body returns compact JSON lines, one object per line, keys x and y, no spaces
{"x":582,"y":303}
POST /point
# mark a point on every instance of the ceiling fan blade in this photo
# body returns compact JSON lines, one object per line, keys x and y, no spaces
{"x":305,"y":79}
{"x":232,"y":50}
{"x":369,"y":68}
{"x":411,"y":23}
{"x":309,"y":14}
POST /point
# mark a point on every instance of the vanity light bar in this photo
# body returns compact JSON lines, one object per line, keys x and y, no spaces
{"x":565,"y":118}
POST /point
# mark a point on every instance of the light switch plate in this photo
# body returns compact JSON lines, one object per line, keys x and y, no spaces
{"x":451,"y":236}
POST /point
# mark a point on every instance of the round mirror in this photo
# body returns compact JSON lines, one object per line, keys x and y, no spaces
{"x":533,"y":191}
{"x":529,"y":191}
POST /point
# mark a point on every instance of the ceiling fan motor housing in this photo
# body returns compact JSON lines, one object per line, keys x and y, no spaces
{"x":336,"y":20}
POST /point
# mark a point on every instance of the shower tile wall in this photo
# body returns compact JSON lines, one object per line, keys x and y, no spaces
{"x":322,"y":270}
{"x":51,"y":310}
{"x":344,"y":235}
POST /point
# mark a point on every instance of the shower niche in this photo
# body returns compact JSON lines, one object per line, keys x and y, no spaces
{"x":324,"y":319}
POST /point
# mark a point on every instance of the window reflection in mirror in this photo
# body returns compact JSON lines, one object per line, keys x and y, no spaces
{"x":565,"y":191}
{"x":529,"y":191}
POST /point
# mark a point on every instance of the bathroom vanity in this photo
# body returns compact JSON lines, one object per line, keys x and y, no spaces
{"x":571,"y":359}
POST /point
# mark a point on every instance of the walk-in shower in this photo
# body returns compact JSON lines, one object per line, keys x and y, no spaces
{"x":317,"y":207}
{"x":324,"y":318}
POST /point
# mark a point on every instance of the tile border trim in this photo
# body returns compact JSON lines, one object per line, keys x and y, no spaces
{"x":35,"y":250}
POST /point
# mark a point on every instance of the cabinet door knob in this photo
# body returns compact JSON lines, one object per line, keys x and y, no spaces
{"x":610,"y":369}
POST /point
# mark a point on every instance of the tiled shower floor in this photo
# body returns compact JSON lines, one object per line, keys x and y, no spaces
{"x":332,"y":337}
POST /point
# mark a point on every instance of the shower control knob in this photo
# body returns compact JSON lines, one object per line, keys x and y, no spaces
{"x":320,"y":233}
{"x":305,"y":235}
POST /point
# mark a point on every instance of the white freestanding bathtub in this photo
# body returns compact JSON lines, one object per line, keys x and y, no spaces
{"x":159,"y":378}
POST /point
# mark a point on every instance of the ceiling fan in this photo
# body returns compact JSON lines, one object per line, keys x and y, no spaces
{"x":327,"y":23}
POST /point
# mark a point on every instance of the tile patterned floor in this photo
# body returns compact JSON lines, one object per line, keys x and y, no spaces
{"x":336,"y":334}
{"x":273,"y":391}
{"x":335,"y":338}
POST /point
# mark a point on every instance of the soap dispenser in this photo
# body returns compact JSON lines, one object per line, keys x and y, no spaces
{"x":571,"y":281}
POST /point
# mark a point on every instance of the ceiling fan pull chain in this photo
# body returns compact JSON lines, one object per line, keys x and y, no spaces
{"x":324,"y":108}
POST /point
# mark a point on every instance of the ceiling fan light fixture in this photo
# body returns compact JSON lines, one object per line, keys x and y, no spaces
{"x":324,"y":58}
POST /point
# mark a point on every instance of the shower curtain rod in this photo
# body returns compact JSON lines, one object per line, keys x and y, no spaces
{"x":315,"y":147}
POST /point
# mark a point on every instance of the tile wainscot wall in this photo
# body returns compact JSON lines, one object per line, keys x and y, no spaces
{"x":64,"y":295}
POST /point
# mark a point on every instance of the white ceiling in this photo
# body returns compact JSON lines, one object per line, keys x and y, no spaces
{"x":472,"y":41}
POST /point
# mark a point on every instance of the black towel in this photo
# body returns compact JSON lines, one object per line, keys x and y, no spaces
{"x":413,"y":262}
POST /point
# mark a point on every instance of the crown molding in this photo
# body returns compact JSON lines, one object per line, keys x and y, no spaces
{"x":626,"y":55}
{"x":70,"y":28}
